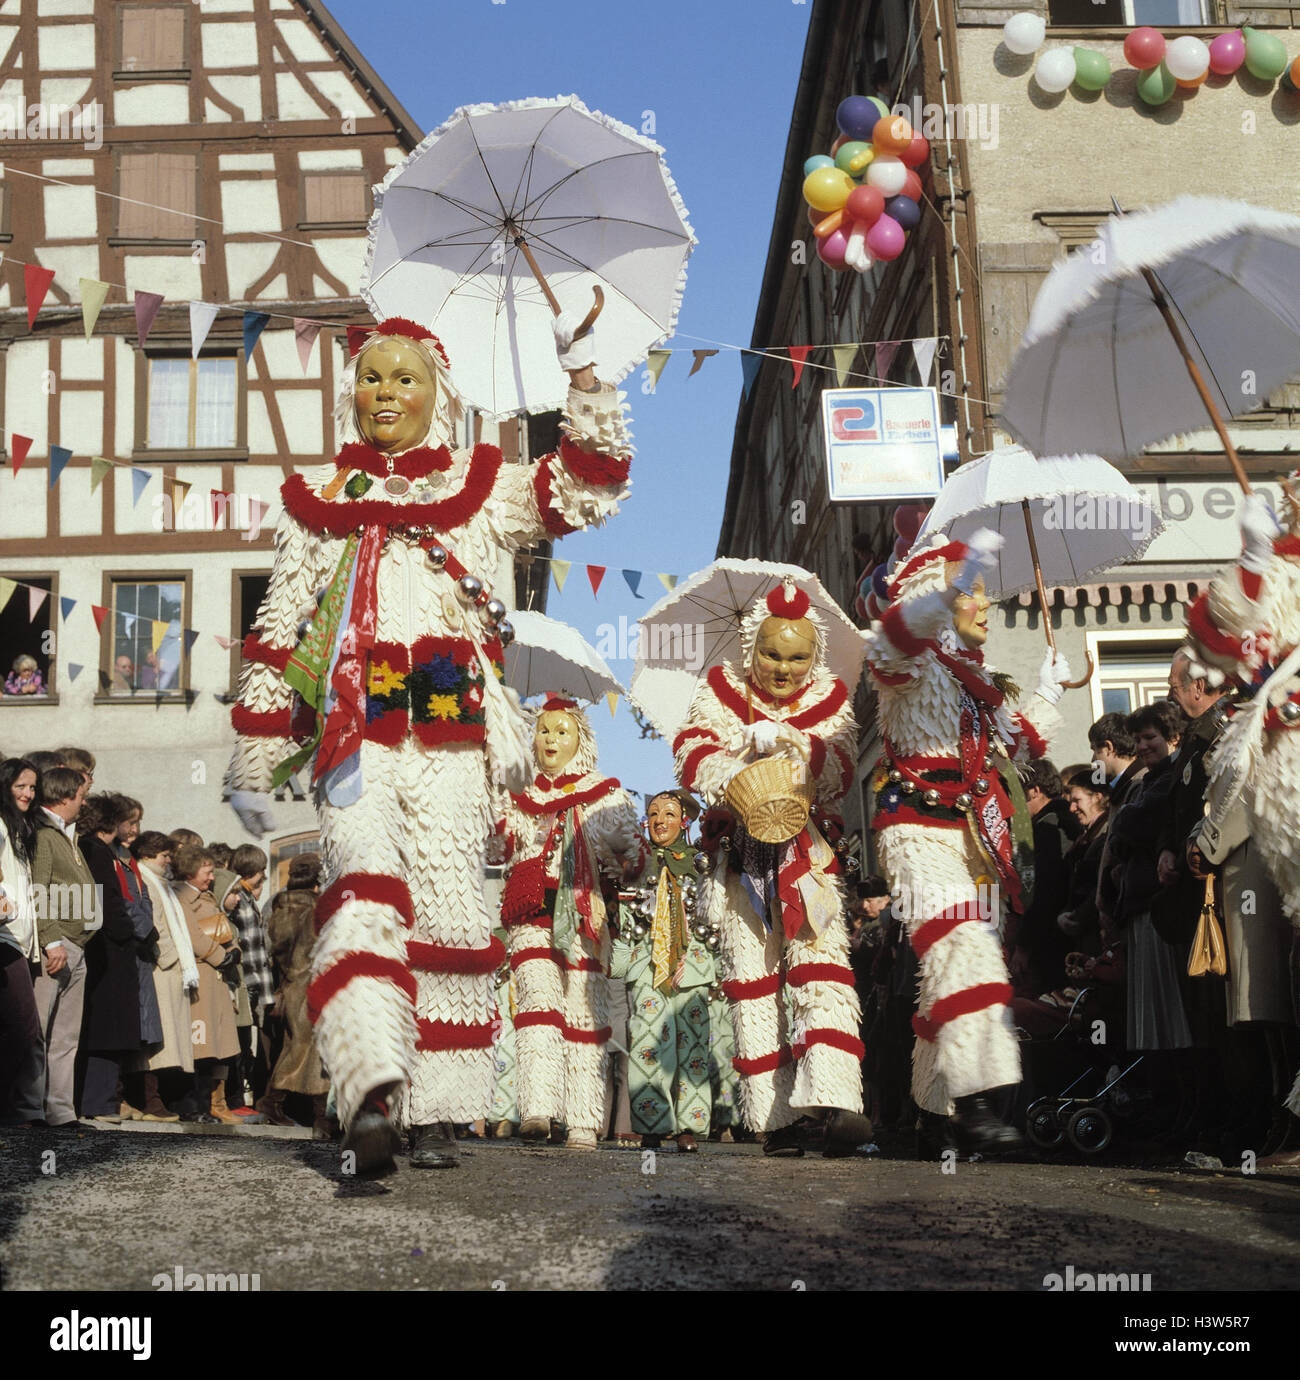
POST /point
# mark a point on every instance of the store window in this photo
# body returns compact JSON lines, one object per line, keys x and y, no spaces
{"x":144,"y":636}
{"x":192,"y":404}
{"x":27,"y":638}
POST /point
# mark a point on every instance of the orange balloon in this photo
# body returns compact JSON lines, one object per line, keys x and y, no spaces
{"x":1192,"y":83}
{"x":828,"y":226}
{"x":892,"y":135}
{"x":1295,"y":73}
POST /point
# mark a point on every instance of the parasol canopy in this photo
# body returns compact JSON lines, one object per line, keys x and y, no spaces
{"x":549,"y":656}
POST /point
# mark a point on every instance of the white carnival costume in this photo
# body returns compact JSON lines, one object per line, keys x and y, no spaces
{"x":389,"y":555}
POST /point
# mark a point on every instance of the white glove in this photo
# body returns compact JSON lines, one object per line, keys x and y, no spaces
{"x":573,"y":354}
{"x":765,"y":737}
{"x":254,"y":811}
{"x":1052,"y":675}
{"x":982,"y":549}
{"x":1258,"y":528}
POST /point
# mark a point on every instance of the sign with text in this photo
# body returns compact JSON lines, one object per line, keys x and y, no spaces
{"x":882,"y":444}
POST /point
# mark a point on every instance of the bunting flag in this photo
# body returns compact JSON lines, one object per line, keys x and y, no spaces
{"x":18,"y":448}
{"x":669,"y":582}
{"x":304,"y":334}
{"x":595,"y":573}
{"x":59,"y":457}
{"x":885,"y":352}
{"x":699,"y":356}
{"x":180,"y":492}
{"x":633,"y":578}
{"x":798,"y":354}
{"x":560,"y":571}
{"x":257,"y":510}
{"x":66,"y":605}
{"x":7,"y":587}
{"x":220,"y":499}
{"x":611,"y":699}
{"x":146,"y":309}
{"x":654,"y":363}
{"x":99,"y":467}
{"x":158,"y":636}
{"x":750,"y":364}
{"x":93,"y":293}
{"x":100,"y":614}
{"x":139,"y":483}
{"x":128,"y":624}
{"x":36,"y":283}
{"x":75,"y":668}
{"x":191,"y":636}
{"x":226,"y":642}
{"x":254,"y":325}
{"x":844,"y":357}
{"x":35,"y":598}
{"x":202,"y":315}
{"x":923,"y":353}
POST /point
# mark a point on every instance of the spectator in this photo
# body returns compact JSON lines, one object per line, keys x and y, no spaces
{"x":112,"y":1034}
{"x":149,"y":674}
{"x":22,"y":1044}
{"x":42,"y":762}
{"x":25,"y":678}
{"x":1036,"y":945}
{"x":184,"y":837}
{"x":176,"y":983}
{"x":214,"y":1034}
{"x":79,"y":760}
{"x":1090,"y":806}
{"x":1114,"y":749}
{"x":123,"y":682}
{"x":248,"y":864}
{"x":64,"y":890}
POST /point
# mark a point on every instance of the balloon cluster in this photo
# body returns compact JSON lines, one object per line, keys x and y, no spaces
{"x":1163,"y":67}
{"x":865,"y":195}
{"x":907,"y":523}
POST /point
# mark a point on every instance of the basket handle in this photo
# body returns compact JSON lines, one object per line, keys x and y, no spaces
{"x":747,"y":753}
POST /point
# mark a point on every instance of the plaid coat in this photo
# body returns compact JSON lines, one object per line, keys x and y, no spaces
{"x":255,"y":960}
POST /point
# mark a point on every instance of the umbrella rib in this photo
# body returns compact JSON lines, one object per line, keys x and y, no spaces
{"x":527,"y":171}
{"x":469,"y":124}
{"x":550,"y":190}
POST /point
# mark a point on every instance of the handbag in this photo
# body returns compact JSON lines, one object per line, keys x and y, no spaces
{"x":215,"y":926}
{"x":1208,"y":953}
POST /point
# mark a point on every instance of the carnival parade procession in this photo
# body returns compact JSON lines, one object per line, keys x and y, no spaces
{"x":844,"y":835}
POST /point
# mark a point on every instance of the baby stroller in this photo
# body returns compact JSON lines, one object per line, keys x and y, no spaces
{"x":1083,"y":1120}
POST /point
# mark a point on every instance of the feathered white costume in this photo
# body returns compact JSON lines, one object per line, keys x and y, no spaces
{"x":784,"y":944}
{"x":389,"y":558}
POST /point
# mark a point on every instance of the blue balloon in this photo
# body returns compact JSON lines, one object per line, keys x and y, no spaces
{"x":856,"y":117}
{"x":818,"y":160}
{"x":904,"y":210}
{"x":880,"y":582}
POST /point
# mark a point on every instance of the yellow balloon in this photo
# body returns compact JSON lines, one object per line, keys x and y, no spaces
{"x":827,"y":189}
{"x":859,"y":165}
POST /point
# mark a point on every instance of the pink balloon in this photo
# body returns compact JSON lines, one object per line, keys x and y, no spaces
{"x":886,"y":238}
{"x":908,"y":520}
{"x":1227,"y":53}
{"x":831,"y":250}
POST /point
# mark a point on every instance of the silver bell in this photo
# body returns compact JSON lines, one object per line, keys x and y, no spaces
{"x":908,"y":788}
{"x":506,"y":632}
{"x":471,"y":586}
{"x":931,"y":797}
{"x":963,"y":801}
{"x":713,"y":943}
{"x":437,"y":556}
{"x":304,"y":629}
{"x":1289,"y":713}
{"x":982,"y":785}
{"x":726,"y":841}
{"x":895,"y":776}
{"x":495,"y":610}
{"x":702,"y":862}
{"x":851,"y":864}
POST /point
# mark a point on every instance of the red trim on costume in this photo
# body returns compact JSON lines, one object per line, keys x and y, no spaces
{"x":447,"y":958}
{"x":440,"y":1035}
{"x":1036,"y":742}
{"x":591,"y":467}
{"x":557,"y":783}
{"x":953,"y":551}
{"x":739,"y":989}
{"x":964,"y":1003}
{"x":1287,"y":546}
{"x":537,"y":808}
{"x":552,"y":518}
{"x":897,"y":631}
{"x":836,"y":1039}
{"x":687,"y":734}
{"x":803,"y":973}
{"x":583,"y":965}
{"x":941,"y":926}
{"x":255,"y":723}
{"x":748,"y":713}
{"x":846,"y":769}
{"x":412,"y":464}
{"x":796,"y":605}
{"x":966,"y":667}
{"x":587,"y":1037}
{"x":524,"y":1019}
{"x":524,"y":893}
{"x":905,"y":814}
{"x":816,"y":755}
{"x":342,"y":519}
{"x":757,"y":692}
{"x":763,"y":1063}
{"x":693,"y":761}
{"x":437,"y":731}
{"x":1208,"y":633}
{"x":1251,"y":582}
{"x":323,"y":989}
{"x":254,"y":649}
{"x":792,"y":909}
{"x":900,"y":679}
{"x":389,"y":728}
{"x":364,"y":886}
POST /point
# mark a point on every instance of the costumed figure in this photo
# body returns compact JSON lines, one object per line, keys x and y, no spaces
{"x":570,"y":838}
{"x":953,"y":829}
{"x":776,"y":905}
{"x":664,"y":952}
{"x":503,"y":1117}
{"x":376,"y":656}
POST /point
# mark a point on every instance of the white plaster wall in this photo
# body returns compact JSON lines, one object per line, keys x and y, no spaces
{"x":81,"y":513}
{"x":8,"y":32}
{"x":276,"y":290}
{"x":248,"y":205}
{"x":344,"y":258}
{"x":229,"y":45}
{"x":25,"y":397}
{"x":81,"y":423}
{"x":301,"y":40}
{"x":245,"y":264}
{"x":70,"y":263}
{"x":260,"y":439}
{"x":22,"y":514}
{"x":11,"y":96}
{"x":244,"y":92}
{"x":82,"y":359}
{"x":125,"y":365}
{"x":69,"y":212}
{"x":228,"y":6}
{"x":336,"y":86}
{"x":318,"y":160}
{"x":173,"y":275}
{"x":294,"y":102}
{"x":246,"y":162}
{"x":155,"y":103}
{"x":44,"y":7}
{"x":301,"y":412}
{"x":65,"y":90}
{"x":62,"y":47}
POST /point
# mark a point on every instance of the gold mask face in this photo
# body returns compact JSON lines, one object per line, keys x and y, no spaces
{"x":395,"y":395}
{"x":970,"y":618}
{"x":555,"y":740}
{"x":665,"y":821}
{"x":783,"y":655}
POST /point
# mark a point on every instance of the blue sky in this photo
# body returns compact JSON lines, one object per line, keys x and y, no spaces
{"x":720,"y":78}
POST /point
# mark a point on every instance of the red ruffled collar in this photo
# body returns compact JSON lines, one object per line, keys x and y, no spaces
{"x":556,"y":783}
{"x":549,"y":804}
{"x":411,"y":464}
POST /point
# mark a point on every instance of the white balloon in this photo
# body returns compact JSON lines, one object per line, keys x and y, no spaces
{"x":887,"y":172}
{"x":1055,"y":70}
{"x":1187,"y":58}
{"x":1024,"y":33}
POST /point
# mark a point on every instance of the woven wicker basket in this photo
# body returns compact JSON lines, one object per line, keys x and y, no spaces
{"x":772,"y":797}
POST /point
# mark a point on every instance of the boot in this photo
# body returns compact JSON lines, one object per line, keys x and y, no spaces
{"x":503,"y":1130}
{"x":372,"y":1140}
{"x":980,"y":1130}
{"x":845,"y":1133}
{"x":323,"y":1126}
{"x":786,"y":1141}
{"x":434,"y":1146}
{"x":271,"y":1106}
{"x":934,"y":1136}
{"x":687,"y":1144}
{"x":217,"y":1106}
{"x":155,"y":1109}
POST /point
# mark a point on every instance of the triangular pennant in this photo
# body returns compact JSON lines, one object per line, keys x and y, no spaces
{"x":560,"y":571}
{"x":35,"y":598}
{"x":798,"y":353}
{"x":844,"y":356}
{"x":226,"y":642}
{"x":750,"y":363}
{"x":698,"y":357}
{"x":633,"y":578}
{"x":923,"y":353}
{"x":669,"y":582}
{"x":304,"y":334}
{"x":93,"y":293}
{"x":59,"y":457}
{"x":357,"y":338}
{"x":191,"y":636}
{"x":654,"y":363}
{"x":146,"y":309}
{"x":180,"y":492}
{"x":611,"y":699}
{"x":202,"y":315}
{"x":595,"y":573}
{"x":7,"y":587}
{"x":139,"y":483}
{"x":99,"y":467}
{"x":128,"y":625}
{"x":885,"y":352}
{"x":75,"y":668}
{"x":257,"y":510}
{"x":66,"y":605}
{"x":254,"y":325}
{"x":158,"y":636}
{"x":220,"y":503}
{"x":36,"y":283}
{"x":18,"y":448}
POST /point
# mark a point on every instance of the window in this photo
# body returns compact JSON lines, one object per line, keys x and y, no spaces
{"x":1131,"y":670}
{"x":335,"y":199}
{"x":193,"y":404}
{"x":1118,"y":14}
{"x":149,"y":182}
{"x":282,"y":853}
{"x":27,"y":638}
{"x":249,"y":591}
{"x":145,"y":645}
{"x":152,"y":39}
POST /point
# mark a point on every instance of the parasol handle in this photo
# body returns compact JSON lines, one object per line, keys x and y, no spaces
{"x":1043,"y":608}
{"x":598,"y":292}
{"x":1162,"y":305}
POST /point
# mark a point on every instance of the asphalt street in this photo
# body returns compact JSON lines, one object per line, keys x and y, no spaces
{"x":116,"y":1210}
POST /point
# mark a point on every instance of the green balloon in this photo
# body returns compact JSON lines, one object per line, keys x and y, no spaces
{"x":848,"y":152}
{"x":1155,"y":86}
{"x":1091,"y":70}
{"x":1265,"y":55}
{"x":880,"y":106}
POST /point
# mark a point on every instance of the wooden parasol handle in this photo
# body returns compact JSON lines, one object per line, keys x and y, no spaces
{"x":1043,"y":607}
{"x":598,"y":292}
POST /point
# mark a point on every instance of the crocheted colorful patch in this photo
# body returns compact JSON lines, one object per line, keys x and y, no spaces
{"x":434,"y":689}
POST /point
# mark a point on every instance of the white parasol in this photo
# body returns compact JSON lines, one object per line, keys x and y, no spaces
{"x":549,"y":656}
{"x":697,"y":626}
{"x":506,"y":209}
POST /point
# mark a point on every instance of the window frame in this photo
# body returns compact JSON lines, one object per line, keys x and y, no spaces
{"x":51,"y":695}
{"x":175,"y":349}
{"x":237,"y":633}
{"x":123,"y":73}
{"x":182,"y":694}
{"x":1099,"y":640}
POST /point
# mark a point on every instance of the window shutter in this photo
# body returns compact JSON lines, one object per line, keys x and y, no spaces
{"x":1010,"y":276}
{"x":335,"y":199}
{"x":161,"y":180}
{"x":153,"y":38}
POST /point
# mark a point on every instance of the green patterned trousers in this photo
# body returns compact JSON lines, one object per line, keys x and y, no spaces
{"x":669,"y":1083}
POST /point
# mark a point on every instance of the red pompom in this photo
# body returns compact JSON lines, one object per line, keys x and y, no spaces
{"x":558,"y":702}
{"x":397,"y":325}
{"x":795,"y":605}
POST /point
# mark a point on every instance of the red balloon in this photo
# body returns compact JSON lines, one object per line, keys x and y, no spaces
{"x":911,"y":187}
{"x":917,"y":152}
{"x":865,"y":204}
{"x":908,"y":520}
{"x":1144,"y":48}
{"x":839,"y":144}
{"x":873,"y":607}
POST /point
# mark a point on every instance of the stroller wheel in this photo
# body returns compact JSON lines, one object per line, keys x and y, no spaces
{"x":1089,"y":1130}
{"x":1043,"y":1125}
